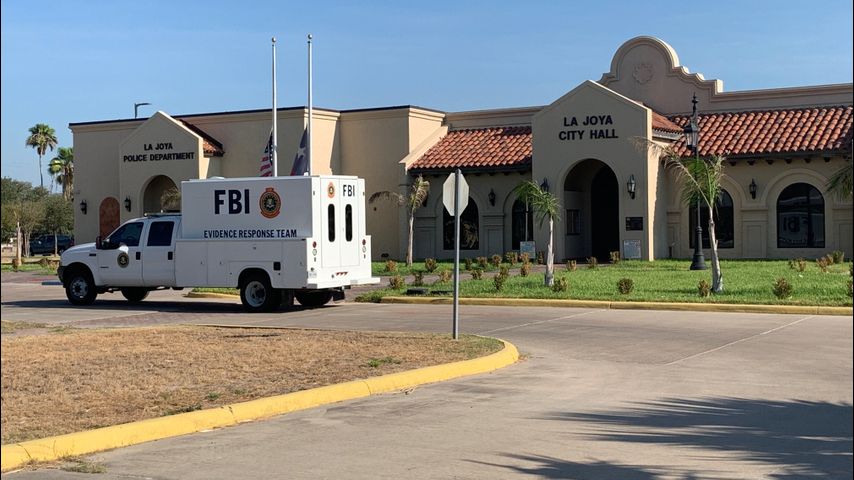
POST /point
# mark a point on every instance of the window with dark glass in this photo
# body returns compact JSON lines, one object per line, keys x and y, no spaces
{"x":331,"y":214}
{"x":160,"y":234}
{"x":348,"y":223}
{"x":573,"y":222}
{"x":128,"y":234}
{"x":724,"y":222}
{"x":469,"y":228}
{"x":800,"y":217}
{"x":522,"y":223}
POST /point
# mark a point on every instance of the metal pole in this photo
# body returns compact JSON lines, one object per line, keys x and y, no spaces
{"x":457,"y":254}
{"x":310,"y":111}
{"x":275,"y":142}
{"x":698,"y":262}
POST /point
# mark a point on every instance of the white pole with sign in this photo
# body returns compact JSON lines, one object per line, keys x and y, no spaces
{"x":455,"y":188}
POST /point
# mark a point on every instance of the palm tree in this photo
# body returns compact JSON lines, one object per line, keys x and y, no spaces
{"x":170,"y":200}
{"x":545,"y":206}
{"x":61,"y":167}
{"x":417,"y":195}
{"x":41,"y":138}
{"x":840,"y":183}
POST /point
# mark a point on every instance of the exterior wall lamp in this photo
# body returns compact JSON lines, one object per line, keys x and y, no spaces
{"x":83,"y":206}
{"x":631,"y":186}
{"x":545,"y":185}
{"x":753,"y":188}
{"x":127,"y":203}
{"x":491,"y":197}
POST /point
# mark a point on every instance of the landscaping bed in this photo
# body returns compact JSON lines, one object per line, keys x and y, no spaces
{"x":75,"y":379}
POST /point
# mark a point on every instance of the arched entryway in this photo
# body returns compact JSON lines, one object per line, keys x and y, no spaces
{"x":159,"y":196}
{"x":591,"y":199}
{"x":108,"y":216}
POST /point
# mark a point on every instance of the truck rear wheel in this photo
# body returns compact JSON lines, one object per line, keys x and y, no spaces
{"x":315,"y":298}
{"x":257,"y":295}
{"x":135,"y":294}
{"x":80,"y":288}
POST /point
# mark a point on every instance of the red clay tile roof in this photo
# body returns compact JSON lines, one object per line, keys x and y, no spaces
{"x":800,"y":130}
{"x":211,"y":147}
{"x":496,"y":147}
{"x":750,"y":133}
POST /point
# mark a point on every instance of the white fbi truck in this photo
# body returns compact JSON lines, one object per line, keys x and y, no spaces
{"x":273,"y":238}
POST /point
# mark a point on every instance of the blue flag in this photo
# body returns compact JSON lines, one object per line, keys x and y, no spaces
{"x":300,"y":161}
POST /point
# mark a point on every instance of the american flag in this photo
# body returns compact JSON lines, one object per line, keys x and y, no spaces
{"x":300,"y":163}
{"x":267,"y":159}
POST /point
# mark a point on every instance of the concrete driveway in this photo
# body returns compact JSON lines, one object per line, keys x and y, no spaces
{"x":602,"y":394}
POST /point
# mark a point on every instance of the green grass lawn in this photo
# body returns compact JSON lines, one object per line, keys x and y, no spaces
{"x":745,"y":282}
{"x":381,"y":268}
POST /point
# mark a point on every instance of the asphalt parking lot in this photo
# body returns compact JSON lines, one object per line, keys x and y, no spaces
{"x":610,"y":394}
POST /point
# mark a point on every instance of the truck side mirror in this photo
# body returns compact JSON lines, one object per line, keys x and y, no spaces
{"x":98,"y":242}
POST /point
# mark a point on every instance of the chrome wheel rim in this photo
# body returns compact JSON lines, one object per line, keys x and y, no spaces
{"x":79,"y":287}
{"x":256,"y":293}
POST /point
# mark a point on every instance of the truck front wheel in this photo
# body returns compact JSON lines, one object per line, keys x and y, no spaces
{"x":80,"y":288}
{"x":135,"y":295}
{"x":314,"y":298}
{"x":257,"y":295}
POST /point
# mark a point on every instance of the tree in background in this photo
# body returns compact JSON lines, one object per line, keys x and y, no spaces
{"x":61,"y":168}
{"x":58,"y":218}
{"x":841,"y":183}
{"x":22,"y":207}
{"x":417,"y":195}
{"x":42,"y":137}
{"x":546,"y":207}
{"x":170,"y":200}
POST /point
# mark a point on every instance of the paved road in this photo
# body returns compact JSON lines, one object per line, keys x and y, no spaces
{"x":601,"y":395}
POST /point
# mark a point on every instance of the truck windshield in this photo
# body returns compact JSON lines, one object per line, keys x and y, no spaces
{"x":128,"y":234}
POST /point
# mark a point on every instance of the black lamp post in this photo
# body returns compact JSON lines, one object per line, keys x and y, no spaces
{"x":692,"y":137}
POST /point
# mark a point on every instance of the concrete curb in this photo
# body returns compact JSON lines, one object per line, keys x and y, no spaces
{"x":82,"y":443}
{"x":689,"y":307}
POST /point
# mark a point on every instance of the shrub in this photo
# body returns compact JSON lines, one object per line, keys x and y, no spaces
{"x":44,"y":262}
{"x":525,"y":258}
{"x":396,"y":282}
{"x":560,"y":285}
{"x":704,"y":289}
{"x":16,"y":264}
{"x":822,"y":264}
{"x":419,"y":278}
{"x":482,"y":262}
{"x":829,"y":259}
{"x":615,"y":257}
{"x":850,"y":288}
{"x":469,"y":263}
{"x":851,"y":269}
{"x":512,"y":258}
{"x":430,"y":264}
{"x":477,"y":274}
{"x":444,"y":275}
{"x":541,"y":258}
{"x":498,"y":280}
{"x":782,"y":288}
{"x":798,"y":264}
{"x":525,"y":269}
{"x":495,"y":260}
{"x":390,"y":266}
{"x":838,"y":256}
{"x":592,"y":263}
{"x":571,"y":266}
{"x":625,"y":285}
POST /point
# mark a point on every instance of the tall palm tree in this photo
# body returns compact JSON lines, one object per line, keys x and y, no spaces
{"x":413,"y":201}
{"x":61,"y":167}
{"x":841,"y":183}
{"x":41,"y":138}
{"x":546,"y":207}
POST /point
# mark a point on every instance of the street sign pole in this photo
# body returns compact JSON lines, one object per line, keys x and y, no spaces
{"x":457,"y":212}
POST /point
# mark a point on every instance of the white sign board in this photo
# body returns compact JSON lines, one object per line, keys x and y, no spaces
{"x":631,"y":249}
{"x":448,"y":193}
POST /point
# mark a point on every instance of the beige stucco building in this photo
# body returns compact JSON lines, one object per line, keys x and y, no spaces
{"x":780,"y":147}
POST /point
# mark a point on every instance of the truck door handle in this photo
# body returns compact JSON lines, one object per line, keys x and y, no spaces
{"x":138,"y":255}
{"x":169,"y":255}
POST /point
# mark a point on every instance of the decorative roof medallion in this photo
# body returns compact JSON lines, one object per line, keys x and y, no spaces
{"x":643,"y":73}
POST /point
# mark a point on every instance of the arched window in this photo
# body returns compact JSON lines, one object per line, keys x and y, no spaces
{"x":800,"y":217}
{"x":522,"y":223}
{"x":469,"y":228}
{"x":724,"y":223}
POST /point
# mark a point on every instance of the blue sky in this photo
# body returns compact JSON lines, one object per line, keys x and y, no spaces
{"x":68,"y":62}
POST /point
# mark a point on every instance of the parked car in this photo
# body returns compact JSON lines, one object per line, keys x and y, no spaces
{"x":43,"y":245}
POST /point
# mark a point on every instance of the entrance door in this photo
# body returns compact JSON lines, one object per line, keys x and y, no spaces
{"x":604,"y":210}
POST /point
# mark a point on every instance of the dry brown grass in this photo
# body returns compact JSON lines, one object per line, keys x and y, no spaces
{"x":84,"y":379}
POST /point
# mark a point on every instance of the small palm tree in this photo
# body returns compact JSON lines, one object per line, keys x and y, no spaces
{"x":417,"y":195}
{"x":546,"y":207}
{"x":840,"y":183}
{"x":61,"y":167}
{"x":170,"y":200}
{"x":42,"y":137}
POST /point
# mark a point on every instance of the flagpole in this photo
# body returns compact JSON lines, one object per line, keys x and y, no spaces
{"x":275,"y":131}
{"x":310,"y":110}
